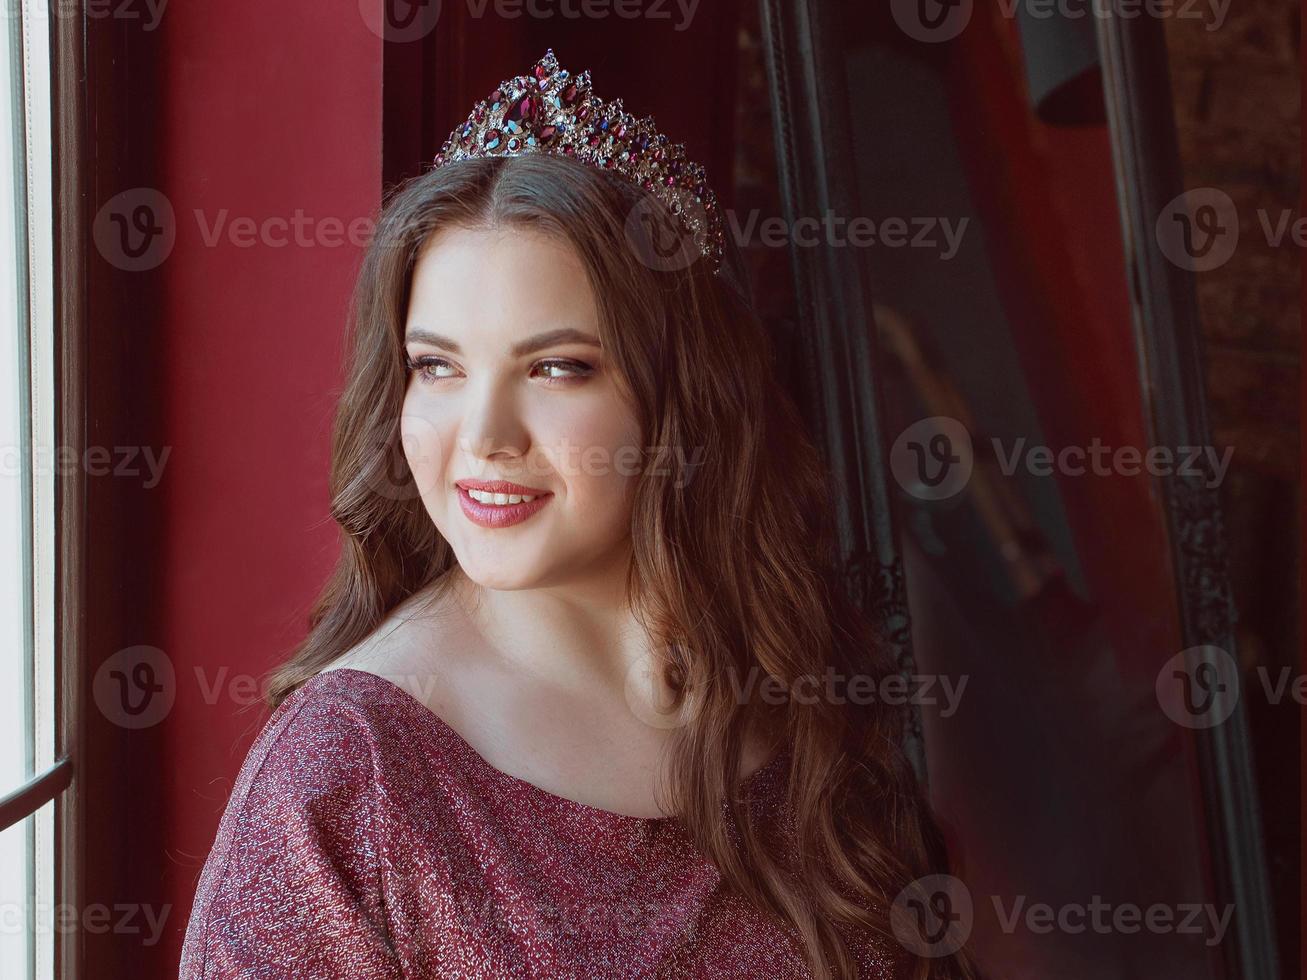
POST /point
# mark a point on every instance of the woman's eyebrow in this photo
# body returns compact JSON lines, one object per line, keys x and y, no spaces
{"x":530,"y":345}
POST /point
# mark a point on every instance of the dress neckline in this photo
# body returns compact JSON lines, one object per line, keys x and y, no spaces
{"x":476,"y":759}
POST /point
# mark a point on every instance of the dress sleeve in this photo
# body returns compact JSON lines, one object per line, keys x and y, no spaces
{"x":293,"y":887}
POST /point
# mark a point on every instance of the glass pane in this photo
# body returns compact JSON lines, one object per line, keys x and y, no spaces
{"x":16,"y":946}
{"x":41,"y":431}
{"x":16,"y":743}
{"x":41,"y":334}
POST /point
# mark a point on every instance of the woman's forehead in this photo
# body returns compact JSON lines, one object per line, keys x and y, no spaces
{"x":505,"y":280}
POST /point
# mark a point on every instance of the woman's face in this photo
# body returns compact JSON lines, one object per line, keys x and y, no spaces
{"x":507,"y":382}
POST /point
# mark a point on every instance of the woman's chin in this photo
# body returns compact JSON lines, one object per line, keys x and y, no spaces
{"x":502,"y":579}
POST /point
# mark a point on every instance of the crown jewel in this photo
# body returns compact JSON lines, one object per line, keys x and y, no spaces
{"x":552,"y":111}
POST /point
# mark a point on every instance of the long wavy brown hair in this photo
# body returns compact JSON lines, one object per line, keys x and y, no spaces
{"x":733,"y":569}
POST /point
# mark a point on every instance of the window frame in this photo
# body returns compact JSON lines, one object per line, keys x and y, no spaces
{"x":55,"y":782}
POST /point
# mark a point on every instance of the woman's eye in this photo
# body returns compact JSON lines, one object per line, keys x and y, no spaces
{"x":562,"y":370}
{"x":429,"y":368}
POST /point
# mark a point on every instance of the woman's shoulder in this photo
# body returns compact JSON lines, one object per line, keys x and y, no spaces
{"x":295,"y":857}
{"x":313,"y":763}
{"x":323,"y":726}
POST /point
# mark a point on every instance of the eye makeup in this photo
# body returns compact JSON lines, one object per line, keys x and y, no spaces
{"x":577,"y":370}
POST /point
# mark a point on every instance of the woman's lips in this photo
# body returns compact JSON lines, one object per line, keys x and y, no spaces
{"x":499,"y":515}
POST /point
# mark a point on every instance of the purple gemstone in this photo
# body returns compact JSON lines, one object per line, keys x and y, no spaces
{"x":492,"y":139}
{"x":523,"y":110}
{"x":547,"y":133}
{"x":569,"y":94}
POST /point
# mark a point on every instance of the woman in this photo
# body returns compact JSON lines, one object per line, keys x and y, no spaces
{"x":534,"y":730}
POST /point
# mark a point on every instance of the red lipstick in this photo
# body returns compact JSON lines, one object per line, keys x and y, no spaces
{"x":499,"y":515}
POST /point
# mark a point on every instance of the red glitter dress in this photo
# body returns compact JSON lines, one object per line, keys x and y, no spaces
{"x":366,"y":839}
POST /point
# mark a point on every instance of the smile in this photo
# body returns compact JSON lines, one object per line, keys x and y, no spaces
{"x":481,"y":497}
{"x":500,"y":504}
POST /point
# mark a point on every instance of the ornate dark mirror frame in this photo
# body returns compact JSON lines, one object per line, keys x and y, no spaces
{"x":1164,"y":301}
{"x":834,"y":299}
{"x":817,"y":175}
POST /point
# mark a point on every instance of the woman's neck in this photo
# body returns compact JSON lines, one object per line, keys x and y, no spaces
{"x":580,"y":636}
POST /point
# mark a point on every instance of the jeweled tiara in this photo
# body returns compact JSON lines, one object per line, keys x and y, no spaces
{"x":551,"y":111}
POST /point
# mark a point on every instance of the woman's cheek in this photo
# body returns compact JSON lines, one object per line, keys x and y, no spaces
{"x":605,"y":459}
{"x":425,"y":449}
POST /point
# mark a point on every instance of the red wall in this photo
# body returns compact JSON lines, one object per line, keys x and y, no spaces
{"x":230,"y":357}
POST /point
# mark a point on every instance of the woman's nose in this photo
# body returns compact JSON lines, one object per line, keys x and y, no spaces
{"x":493,"y":424}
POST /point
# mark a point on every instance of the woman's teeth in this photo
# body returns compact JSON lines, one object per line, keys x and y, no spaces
{"x":481,"y":497}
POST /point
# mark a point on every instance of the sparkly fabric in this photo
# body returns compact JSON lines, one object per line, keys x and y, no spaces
{"x":366,"y":839}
